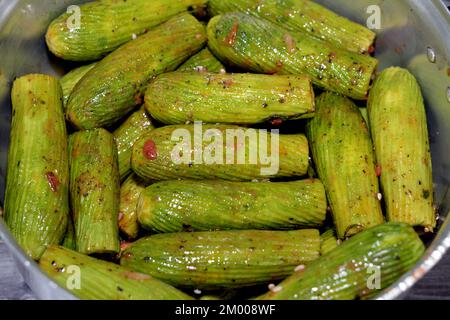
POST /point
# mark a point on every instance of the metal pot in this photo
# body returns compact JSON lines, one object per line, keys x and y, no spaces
{"x":412,"y":34}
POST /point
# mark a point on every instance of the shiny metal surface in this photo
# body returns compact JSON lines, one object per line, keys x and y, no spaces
{"x":409,"y":30}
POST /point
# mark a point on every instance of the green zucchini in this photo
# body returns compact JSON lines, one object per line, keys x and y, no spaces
{"x":37,"y":183}
{"x":177,"y":98}
{"x":117,"y":83}
{"x":203,"y":61}
{"x":94,"y":191}
{"x":107,"y":24}
{"x":179,"y":152}
{"x":126,"y":136}
{"x":70,"y":80}
{"x":130,"y":191}
{"x":262,"y":47}
{"x":70,"y":240}
{"x":350,"y":271}
{"x":92,"y":279}
{"x":303,"y":16}
{"x":174,"y":206}
{"x":343,"y":154}
{"x":222,"y":259}
{"x":399,"y":130}
{"x":328,"y":241}
{"x":365,"y":115}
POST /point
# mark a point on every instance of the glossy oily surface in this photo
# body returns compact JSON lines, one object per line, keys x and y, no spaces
{"x":138,"y":124}
{"x":345,"y":273}
{"x":96,"y":276}
{"x":402,"y":148}
{"x":343,"y":154}
{"x":174,"y":206}
{"x":117,"y":83}
{"x":36,"y":203}
{"x":94,"y":191}
{"x":103,"y":27}
{"x":178,"y":98}
{"x":304,"y":16}
{"x":179,"y":152}
{"x":222,"y":259}
{"x":130,"y":192}
{"x":260,"y":46}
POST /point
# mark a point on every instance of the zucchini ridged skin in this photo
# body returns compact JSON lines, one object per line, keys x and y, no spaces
{"x":117,"y":83}
{"x":70,"y":80}
{"x":101,"y":280}
{"x":174,"y":206}
{"x":107,"y":24}
{"x":95,"y":191}
{"x":130,"y":191}
{"x":365,"y":115}
{"x":263,"y":47}
{"x":399,"y":130}
{"x":303,"y":16}
{"x":222,"y":259}
{"x":70,"y":240}
{"x":345,"y":273}
{"x":152,"y":156}
{"x":180,"y":97}
{"x":328,"y":241}
{"x":201,"y":62}
{"x":37,"y":184}
{"x":137,"y":125}
{"x":343,"y":154}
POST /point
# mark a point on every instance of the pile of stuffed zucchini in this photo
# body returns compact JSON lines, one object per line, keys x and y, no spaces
{"x":91,"y":182}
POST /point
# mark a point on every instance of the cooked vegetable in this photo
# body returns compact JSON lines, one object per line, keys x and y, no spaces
{"x":175,"y":206}
{"x":343,"y":154}
{"x":70,"y":241}
{"x":95,"y":191}
{"x":365,"y":115}
{"x":180,"y":177}
{"x":117,"y":83}
{"x":107,"y":24}
{"x":328,"y":241}
{"x":70,"y":80}
{"x":37,"y":200}
{"x":178,"y":152}
{"x":222,"y":259}
{"x":103,"y":280}
{"x":358,"y":269}
{"x":129,"y":195}
{"x":177,"y":98}
{"x":399,"y":130}
{"x":138,"y":124}
{"x":303,"y":16}
{"x":204,"y":61}
{"x":258,"y":45}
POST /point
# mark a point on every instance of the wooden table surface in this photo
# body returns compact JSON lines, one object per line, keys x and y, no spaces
{"x":435,"y":285}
